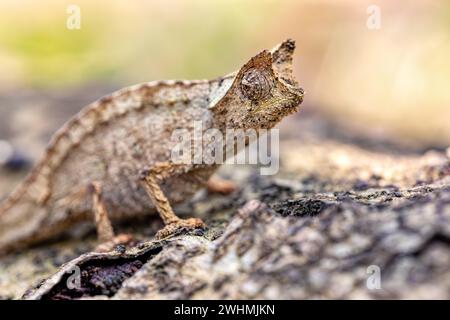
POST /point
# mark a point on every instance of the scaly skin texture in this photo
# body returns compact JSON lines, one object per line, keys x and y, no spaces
{"x":112,"y":141}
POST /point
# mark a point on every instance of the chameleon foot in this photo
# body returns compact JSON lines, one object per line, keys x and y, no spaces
{"x":121,"y":239}
{"x":222,"y":186}
{"x":180,"y":225}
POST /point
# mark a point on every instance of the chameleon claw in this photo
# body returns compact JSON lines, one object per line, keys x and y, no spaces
{"x":179,"y":226}
{"x":121,"y":240}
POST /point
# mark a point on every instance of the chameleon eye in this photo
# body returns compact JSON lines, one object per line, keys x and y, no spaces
{"x":255,"y":85}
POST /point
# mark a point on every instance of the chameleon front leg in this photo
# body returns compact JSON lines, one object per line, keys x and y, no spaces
{"x":105,"y":232}
{"x":151,"y":179}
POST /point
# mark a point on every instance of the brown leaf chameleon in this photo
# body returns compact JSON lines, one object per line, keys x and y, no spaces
{"x":113,"y":159}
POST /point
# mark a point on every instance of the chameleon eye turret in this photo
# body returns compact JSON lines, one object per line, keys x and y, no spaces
{"x":256,"y":84}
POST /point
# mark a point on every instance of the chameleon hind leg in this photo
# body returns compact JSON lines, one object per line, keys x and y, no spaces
{"x":218,"y":185}
{"x":150,"y":180}
{"x":105,"y":232}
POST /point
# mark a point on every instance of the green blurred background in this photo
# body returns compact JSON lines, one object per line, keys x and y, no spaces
{"x":391,"y":81}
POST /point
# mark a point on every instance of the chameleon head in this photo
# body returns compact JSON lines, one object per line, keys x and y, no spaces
{"x":261,"y":93}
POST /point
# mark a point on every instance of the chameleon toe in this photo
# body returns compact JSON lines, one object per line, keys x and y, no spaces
{"x":180,"y":226}
{"x":123,"y":239}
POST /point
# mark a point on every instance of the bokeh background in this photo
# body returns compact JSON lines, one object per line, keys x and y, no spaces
{"x":392,"y":81}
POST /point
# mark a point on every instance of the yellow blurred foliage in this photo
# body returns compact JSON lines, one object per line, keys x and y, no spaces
{"x":393,"y":79}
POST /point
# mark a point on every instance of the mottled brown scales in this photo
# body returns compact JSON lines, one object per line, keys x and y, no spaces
{"x":113,"y":159}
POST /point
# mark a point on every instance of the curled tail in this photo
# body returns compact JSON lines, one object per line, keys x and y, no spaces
{"x":20,"y":221}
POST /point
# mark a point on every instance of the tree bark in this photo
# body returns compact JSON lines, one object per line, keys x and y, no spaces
{"x":344,"y":218}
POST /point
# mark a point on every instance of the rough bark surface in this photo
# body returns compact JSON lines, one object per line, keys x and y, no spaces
{"x":340,"y":205}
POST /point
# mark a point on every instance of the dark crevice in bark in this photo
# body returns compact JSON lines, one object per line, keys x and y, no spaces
{"x":99,"y":277}
{"x":300,"y":208}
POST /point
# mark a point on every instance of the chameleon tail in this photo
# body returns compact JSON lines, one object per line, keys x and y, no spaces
{"x":20,"y":221}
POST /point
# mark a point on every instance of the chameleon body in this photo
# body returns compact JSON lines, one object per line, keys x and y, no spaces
{"x":112,"y":141}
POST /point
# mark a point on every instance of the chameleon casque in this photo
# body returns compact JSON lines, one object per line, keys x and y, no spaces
{"x":113,"y":159}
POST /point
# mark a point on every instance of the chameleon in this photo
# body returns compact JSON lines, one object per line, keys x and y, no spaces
{"x":113,"y":159}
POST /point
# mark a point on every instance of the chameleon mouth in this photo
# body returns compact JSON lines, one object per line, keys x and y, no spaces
{"x":299,"y":94}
